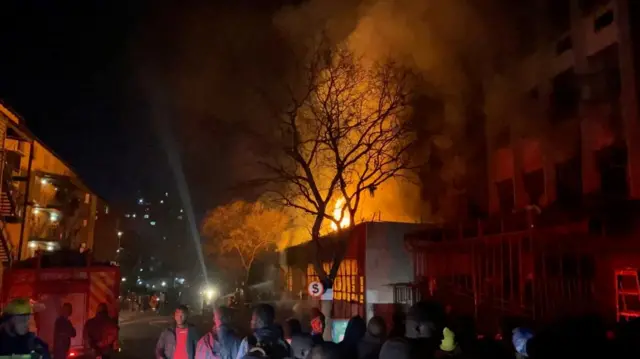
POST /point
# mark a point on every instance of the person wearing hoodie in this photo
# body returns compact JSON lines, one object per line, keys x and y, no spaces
{"x":179,"y":341}
{"x":369,"y":346}
{"x":221,"y":342}
{"x":266,"y":337}
{"x":355,"y":331}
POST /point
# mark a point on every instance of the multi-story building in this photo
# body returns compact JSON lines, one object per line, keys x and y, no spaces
{"x":45,"y":205}
{"x":562,"y":176}
{"x":580,"y":135}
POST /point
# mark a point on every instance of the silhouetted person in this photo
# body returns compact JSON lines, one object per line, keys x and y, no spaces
{"x":355,"y":331}
{"x":266,"y":335}
{"x":369,"y":346}
{"x":101,"y":333}
{"x":396,"y":348}
{"x":292,"y":327}
{"x":221,"y":342}
{"x":326,"y":350}
{"x":63,"y":332}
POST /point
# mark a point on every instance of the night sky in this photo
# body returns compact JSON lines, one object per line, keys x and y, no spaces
{"x":66,"y":68}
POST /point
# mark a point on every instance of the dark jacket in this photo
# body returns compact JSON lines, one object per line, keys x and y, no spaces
{"x":271,"y":337}
{"x":355,"y":331}
{"x":166,"y":346}
{"x":63,"y":332}
{"x":101,"y":333}
{"x":221,"y":343}
{"x":22,"y":344}
{"x":369,"y":347}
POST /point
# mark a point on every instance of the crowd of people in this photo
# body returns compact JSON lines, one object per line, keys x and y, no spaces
{"x":426,"y":332}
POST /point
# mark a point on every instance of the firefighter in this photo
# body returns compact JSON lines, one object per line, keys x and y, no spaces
{"x":15,"y":338}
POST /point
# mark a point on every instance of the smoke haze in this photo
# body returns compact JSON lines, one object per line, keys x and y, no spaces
{"x":219,"y":61}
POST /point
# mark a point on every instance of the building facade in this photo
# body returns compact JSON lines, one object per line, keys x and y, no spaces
{"x":45,"y":206}
{"x":562,"y":179}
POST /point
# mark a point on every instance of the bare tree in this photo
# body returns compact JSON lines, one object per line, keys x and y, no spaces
{"x":342,"y":134}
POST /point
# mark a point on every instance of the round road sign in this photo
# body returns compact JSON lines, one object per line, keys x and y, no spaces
{"x":315,"y":289}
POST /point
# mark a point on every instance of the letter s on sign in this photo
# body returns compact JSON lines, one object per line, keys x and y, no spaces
{"x":316,"y":289}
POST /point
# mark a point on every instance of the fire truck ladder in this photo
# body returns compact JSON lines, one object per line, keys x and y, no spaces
{"x":627,"y":286}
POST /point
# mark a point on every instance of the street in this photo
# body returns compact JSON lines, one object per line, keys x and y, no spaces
{"x":139,"y":332}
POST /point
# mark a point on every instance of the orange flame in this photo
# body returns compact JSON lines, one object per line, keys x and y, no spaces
{"x":337,"y":213}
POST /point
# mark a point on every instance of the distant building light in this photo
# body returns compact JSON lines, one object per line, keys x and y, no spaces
{"x":44,"y":181}
{"x":146,"y":216}
{"x":153,"y":223}
{"x":141,"y":269}
{"x":36,"y":210}
{"x":124,"y":279}
{"x":119,"y":234}
{"x":161,"y":201}
{"x":164,"y":238}
{"x":50,"y":247}
{"x":53,"y":217}
{"x":179,"y":217}
{"x":141,"y":201}
{"x":164,"y":284}
{"x":166,"y":194}
{"x":127,"y":215}
{"x":181,"y":210}
{"x":33,"y":245}
{"x":106,"y":209}
{"x":133,"y":215}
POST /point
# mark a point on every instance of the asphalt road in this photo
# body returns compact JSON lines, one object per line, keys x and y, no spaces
{"x":139,"y":333}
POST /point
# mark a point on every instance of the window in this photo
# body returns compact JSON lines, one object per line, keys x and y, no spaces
{"x":603,"y":21}
{"x":106,"y":209}
{"x":503,"y":137}
{"x":534,"y":185}
{"x":84,"y":223}
{"x":87,"y":198}
{"x":569,"y":181}
{"x":348,"y":288}
{"x":565,"y":97}
{"x":612,"y":163}
{"x":506,"y":195}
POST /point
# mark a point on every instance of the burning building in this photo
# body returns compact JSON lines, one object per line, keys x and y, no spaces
{"x":372,"y":259}
{"x":562,"y":184}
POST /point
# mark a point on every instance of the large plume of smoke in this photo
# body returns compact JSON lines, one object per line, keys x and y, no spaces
{"x":458,"y":47}
{"x":215,"y":57}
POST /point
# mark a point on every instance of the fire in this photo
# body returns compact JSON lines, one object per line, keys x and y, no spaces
{"x":337,"y":213}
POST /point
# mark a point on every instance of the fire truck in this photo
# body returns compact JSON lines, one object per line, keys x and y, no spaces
{"x":50,"y":280}
{"x":532,"y":268}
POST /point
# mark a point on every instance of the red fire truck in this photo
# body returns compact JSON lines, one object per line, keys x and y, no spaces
{"x":65,"y":277}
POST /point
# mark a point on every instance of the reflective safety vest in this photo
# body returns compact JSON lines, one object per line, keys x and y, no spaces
{"x":21,"y":356}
